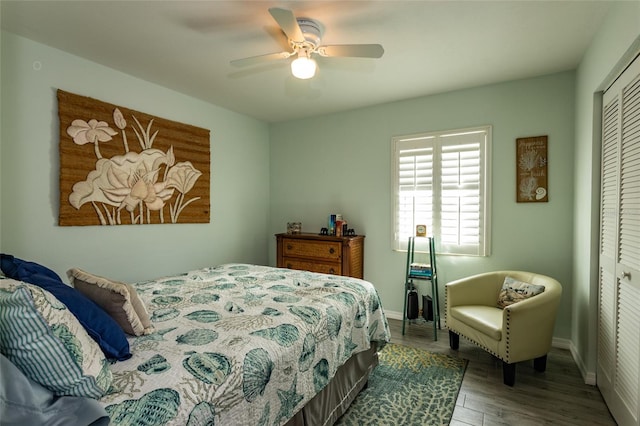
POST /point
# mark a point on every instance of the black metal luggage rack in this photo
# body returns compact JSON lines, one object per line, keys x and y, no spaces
{"x":428,"y":272}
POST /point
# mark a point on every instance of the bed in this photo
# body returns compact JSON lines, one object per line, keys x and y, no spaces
{"x":248,"y":345}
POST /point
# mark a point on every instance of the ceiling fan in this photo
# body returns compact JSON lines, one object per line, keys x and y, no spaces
{"x":305,"y":36}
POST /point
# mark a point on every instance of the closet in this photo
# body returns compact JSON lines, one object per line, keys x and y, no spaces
{"x":618,"y":362}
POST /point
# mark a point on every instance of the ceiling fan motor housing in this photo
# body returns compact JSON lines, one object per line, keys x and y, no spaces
{"x":311,"y":30}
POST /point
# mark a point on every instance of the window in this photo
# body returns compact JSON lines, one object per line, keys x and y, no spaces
{"x":442,"y":180}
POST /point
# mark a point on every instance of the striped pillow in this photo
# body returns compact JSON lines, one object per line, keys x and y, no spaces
{"x":41,"y":337}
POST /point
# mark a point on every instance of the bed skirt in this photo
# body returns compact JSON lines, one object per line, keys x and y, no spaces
{"x":333,"y":401}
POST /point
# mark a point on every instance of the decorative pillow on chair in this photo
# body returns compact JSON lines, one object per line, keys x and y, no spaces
{"x":119,"y":300}
{"x":513,"y":291}
{"x":41,"y":337}
{"x":100,"y":326}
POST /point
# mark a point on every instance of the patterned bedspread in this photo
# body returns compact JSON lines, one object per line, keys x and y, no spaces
{"x":241,"y":344}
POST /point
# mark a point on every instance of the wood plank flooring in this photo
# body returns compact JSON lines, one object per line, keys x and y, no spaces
{"x":558,"y":396}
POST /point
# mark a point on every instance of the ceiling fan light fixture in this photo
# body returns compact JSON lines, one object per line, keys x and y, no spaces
{"x":305,"y":37}
{"x":303,"y":67}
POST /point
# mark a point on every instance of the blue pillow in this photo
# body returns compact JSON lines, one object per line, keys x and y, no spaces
{"x":99,"y":325}
{"x":12,"y":266}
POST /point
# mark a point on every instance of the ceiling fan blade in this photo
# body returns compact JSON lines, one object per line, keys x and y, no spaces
{"x":352,"y":50}
{"x":253,"y":60}
{"x":287,"y":21}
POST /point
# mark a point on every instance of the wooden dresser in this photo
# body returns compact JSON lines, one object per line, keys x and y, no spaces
{"x":322,"y":253}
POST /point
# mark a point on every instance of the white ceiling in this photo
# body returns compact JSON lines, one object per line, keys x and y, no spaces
{"x":430,"y":46}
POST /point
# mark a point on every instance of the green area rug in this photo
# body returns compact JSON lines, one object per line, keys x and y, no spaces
{"x":409,"y":387}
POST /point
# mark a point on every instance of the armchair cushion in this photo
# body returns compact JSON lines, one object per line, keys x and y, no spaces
{"x":485,"y":319}
{"x":513,"y":291}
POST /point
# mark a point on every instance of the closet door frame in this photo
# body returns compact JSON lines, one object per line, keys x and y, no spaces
{"x":618,"y":361}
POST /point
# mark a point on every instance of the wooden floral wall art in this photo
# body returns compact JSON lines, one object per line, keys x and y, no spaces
{"x":121,"y":167}
{"x":531,"y":170}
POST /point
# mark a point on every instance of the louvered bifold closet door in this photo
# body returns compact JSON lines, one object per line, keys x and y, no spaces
{"x":608,"y":243}
{"x":619,"y":322}
{"x":628,"y":270}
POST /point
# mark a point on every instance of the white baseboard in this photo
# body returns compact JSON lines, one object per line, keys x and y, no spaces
{"x":559,"y":343}
{"x":393,"y":315}
{"x":589,"y":377}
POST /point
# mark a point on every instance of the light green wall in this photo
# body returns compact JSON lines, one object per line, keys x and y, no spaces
{"x":342,"y":163}
{"x":617,"y":39}
{"x":335,"y":163}
{"x":31,"y":74}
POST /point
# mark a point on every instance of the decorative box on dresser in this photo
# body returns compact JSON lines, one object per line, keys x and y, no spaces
{"x":322,"y":253}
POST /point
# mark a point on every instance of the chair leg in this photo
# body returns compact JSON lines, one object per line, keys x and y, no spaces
{"x":509,"y":373}
{"x":540,"y":364}
{"x":454,"y":340}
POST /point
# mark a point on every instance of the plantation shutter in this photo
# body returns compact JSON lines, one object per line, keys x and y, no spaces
{"x":619,"y":314}
{"x":461,"y":208}
{"x":440,"y":181}
{"x":415,"y":188}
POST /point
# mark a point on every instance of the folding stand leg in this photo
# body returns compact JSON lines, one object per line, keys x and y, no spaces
{"x":406,"y":282}
{"x":434,"y":282}
{"x":436,"y":309}
{"x":404,"y":310}
{"x":436,"y":315}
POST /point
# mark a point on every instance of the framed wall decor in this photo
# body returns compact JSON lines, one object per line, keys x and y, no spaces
{"x":531,"y":170}
{"x":124,"y":167}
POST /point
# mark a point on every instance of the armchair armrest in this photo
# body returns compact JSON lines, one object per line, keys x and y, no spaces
{"x":530,"y":323}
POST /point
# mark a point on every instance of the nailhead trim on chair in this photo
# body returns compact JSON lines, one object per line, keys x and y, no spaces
{"x":479,"y":345}
{"x":507,"y":337}
{"x":489,"y":350}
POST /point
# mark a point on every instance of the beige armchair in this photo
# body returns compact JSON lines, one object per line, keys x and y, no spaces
{"x":519,"y":332}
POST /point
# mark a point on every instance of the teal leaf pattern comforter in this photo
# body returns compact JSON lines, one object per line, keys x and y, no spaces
{"x":241,"y":344}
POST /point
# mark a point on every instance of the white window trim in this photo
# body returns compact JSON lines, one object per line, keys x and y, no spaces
{"x":485,"y":189}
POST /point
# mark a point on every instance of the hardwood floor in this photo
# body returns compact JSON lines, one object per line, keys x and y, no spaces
{"x":556,"y":397}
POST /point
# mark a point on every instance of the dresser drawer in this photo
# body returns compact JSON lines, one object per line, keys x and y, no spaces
{"x":327,"y":250}
{"x":326,"y":254}
{"x":313,"y":266}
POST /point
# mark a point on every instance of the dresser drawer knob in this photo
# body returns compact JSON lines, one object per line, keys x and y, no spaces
{"x":289,"y":266}
{"x":332,"y":271}
{"x":332,"y":250}
{"x":289,"y":247}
